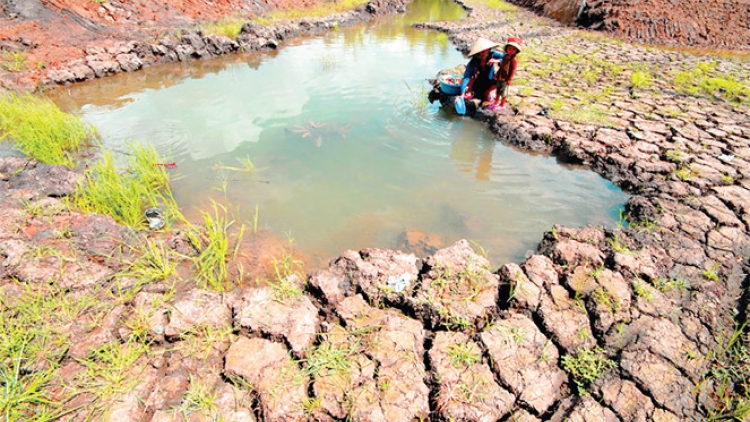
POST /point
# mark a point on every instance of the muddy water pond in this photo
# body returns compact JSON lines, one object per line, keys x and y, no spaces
{"x":346,"y":152}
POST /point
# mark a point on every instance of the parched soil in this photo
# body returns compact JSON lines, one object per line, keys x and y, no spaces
{"x":597,"y":325}
{"x":714,"y":24}
{"x":717,"y":24}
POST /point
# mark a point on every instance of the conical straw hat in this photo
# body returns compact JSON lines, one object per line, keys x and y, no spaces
{"x":480,"y":45}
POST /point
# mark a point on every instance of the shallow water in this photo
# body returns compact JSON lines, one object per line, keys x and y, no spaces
{"x":346,"y":150}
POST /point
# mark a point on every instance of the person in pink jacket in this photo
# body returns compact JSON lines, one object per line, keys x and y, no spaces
{"x":504,"y":73}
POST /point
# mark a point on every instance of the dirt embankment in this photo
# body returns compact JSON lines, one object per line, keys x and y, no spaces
{"x":46,"y":42}
{"x":715,"y":24}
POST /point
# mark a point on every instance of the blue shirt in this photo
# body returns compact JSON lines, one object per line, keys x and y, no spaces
{"x":471,"y":67}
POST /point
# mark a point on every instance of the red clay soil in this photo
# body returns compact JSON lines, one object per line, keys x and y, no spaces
{"x":35,"y":34}
{"x":713,"y":24}
{"x":49,"y":32}
{"x":723,"y":24}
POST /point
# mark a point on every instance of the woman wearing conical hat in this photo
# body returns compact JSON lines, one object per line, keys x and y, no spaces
{"x":477,"y":82}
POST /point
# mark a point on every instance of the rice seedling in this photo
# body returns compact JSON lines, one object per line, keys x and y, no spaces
{"x":33,"y":209}
{"x":705,"y":79}
{"x":139,"y":326}
{"x":107,"y":191}
{"x":212,"y":242}
{"x":155,"y":263}
{"x":473,"y":392}
{"x":645,"y":226}
{"x":640,"y":289}
{"x":711,"y":274}
{"x":112,"y":362}
{"x":728,"y":87}
{"x":664,"y":285}
{"x":125,"y":194}
{"x":455,"y":322}
{"x":619,"y":246}
{"x":39,"y":129}
{"x":684,"y":173}
{"x":142,"y":164}
{"x":604,"y":298}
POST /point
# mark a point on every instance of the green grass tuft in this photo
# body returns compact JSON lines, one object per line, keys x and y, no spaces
{"x":319,"y":10}
{"x":212,"y":242}
{"x":640,"y":79}
{"x":22,"y":393}
{"x":155,"y":262}
{"x":664,"y":285}
{"x":288,"y":271}
{"x":228,"y":27}
{"x":34,"y":337}
{"x":501,"y":5}
{"x":587,"y":366}
{"x":199,"y":399}
{"x":39,"y":129}
{"x":125,"y":194}
{"x":582,"y":114}
{"x":328,"y":359}
{"x":13,"y":61}
{"x":463,"y":355}
{"x":728,"y":379}
{"x":705,"y":79}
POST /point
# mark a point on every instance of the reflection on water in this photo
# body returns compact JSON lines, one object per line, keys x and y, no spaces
{"x":122,"y":88}
{"x":473,"y":156}
{"x":346,"y":152}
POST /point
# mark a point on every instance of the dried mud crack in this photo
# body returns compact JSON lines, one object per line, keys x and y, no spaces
{"x":599,"y":324}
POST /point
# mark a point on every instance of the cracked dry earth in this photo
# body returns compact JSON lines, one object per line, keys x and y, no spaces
{"x":460,"y":342}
